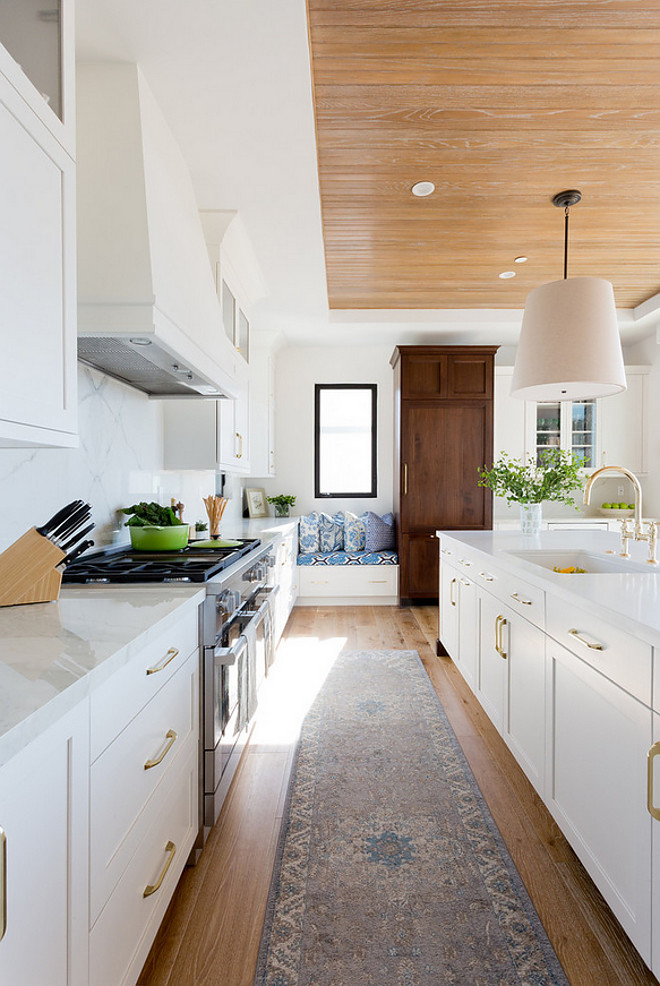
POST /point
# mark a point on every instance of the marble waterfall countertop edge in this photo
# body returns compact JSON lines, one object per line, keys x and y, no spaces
{"x":629,"y":600}
{"x":54,"y":654}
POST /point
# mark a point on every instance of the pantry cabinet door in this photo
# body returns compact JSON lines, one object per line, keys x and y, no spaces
{"x":596,"y":785}
{"x":43,"y":817}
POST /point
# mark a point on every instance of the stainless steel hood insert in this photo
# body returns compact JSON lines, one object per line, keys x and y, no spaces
{"x":145,"y":364}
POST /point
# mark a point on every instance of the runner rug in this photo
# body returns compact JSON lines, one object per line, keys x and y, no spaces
{"x":390,"y":870}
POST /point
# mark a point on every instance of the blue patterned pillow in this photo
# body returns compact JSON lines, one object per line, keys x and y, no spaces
{"x":331,"y":532}
{"x":308,"y":533}
{"x":380,"y":532}
{"x":355,"y":530}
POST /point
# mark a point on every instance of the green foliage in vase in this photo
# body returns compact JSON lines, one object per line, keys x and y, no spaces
{"x":555,"y":478}
{"x":282,"y":500}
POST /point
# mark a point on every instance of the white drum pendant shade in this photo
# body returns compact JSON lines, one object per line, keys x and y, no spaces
{"x":569,"y":345}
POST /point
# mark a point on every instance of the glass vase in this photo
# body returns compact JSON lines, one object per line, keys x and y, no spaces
{"x":281,"y":509}
{"x":530,"y":518}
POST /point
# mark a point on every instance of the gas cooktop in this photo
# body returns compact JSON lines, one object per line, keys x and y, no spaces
{"x":123,"y":565}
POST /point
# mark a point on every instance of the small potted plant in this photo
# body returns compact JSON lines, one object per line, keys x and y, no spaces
{"x":282,"y":503}
{"x":155,"y":528}
{"x":555,"y":477}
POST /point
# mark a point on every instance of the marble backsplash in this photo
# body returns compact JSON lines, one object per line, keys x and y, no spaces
{"x":118,"y":462}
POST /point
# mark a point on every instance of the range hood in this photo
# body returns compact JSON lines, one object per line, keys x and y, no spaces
{"x":148,"y":312}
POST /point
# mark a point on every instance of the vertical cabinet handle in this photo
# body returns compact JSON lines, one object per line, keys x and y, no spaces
{"x":170,"y":740}
{"x":239,"y":454}
{"x":3,"y":883}
{"x":451,"y":592}
{"x":170,"y":849}
{"x":405,"y":478}
{"x":652,"y":754}
{"x":500,"y":622}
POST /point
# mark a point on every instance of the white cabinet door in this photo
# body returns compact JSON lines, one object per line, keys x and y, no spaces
{"x":205,"y":434}
{"x":492,"y":665}
{"x":43,"y":817}
{"x":448,"y":610}
{"x":508,"y":416}
{"x":599,"y":736}
{"x":653,"y":795}
{"x":468,"y":630}
{"x":524,"y":727}
{"x":624,"y":425}
{"x":38,"y":296}
{"x":232,"y":452}
{"x":262,"y":413}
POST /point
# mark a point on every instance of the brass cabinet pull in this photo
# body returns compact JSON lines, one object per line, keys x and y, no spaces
{"x":239,"y":454}
{"x":170,"y":737}
{"x":653,"y":752}
{"x":153,"y":887}
{"x":466,"y":582}
{"x":500,"y":622}
{"x":171,"y":654}
{"x":451,"y":592}
{"x":3,"y":883}
{"x":463,"y":561}
{"x":445,"y":551}
{"x":487,"y":577}
{"x":405,"y":478}
{"x":519,"y":599}
{"x":591,"y":644}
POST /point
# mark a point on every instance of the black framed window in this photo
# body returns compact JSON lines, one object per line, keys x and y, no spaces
{"x":345,"y":439}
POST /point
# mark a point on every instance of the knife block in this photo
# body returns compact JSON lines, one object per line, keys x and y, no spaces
{"x":28,"y":572}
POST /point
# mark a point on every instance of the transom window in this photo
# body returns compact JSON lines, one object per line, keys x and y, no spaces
{"x":345,"y":439}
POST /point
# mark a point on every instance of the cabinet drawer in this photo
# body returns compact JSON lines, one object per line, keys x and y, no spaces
{"x":122,"y":936}
{"x":121,"y":783}
{"x":620,"y":657}
{"x":349,"y":580}
{"x":114,"y":704}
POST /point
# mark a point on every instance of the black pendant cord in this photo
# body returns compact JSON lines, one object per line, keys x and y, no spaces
{"x":566,"y":243}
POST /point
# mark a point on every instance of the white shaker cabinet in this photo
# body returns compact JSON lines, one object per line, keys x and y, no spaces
{"x":44,"y":844}
{"x":262,"y":412}
{"x":599,"y":736}
{"x":37,"y":256}
{"x":208,"y":434}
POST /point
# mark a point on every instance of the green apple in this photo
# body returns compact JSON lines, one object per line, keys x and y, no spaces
{"x":631,"y":506}
{"x":606,"y":506}
{"x":622,"y":506}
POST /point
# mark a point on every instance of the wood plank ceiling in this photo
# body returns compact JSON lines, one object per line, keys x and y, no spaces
{"x":501,"y":104}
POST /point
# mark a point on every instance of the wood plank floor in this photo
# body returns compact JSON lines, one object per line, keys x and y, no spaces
{"x":211,"y":933}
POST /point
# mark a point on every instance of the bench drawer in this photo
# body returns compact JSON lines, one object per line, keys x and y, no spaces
{"x":349,"y":580}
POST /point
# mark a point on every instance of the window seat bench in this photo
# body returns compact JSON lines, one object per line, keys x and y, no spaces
{"x":348,"y":578}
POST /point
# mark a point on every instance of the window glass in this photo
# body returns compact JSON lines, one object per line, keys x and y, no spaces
{"x":345,"y":440}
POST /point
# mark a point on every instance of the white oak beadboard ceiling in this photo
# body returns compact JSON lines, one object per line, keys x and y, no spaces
{"x":500,"y":103}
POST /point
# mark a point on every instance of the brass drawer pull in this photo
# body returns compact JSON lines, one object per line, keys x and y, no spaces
{"x":653,"y":752}
{"x":591,"y":644}
{"x":500,"y":621}
{"x":445,"y":551}
{"x":487,"y":577}
{"x":170,"y":737}
{"x":451,"y":592}
{"x":153,"y":887}
{"x":3,"y":883}
{"x":377,"y":581}
{"x":463,"y":561}
{"x":519,"y":599}
{"x":466,"y":582}
{"x":171,"y":654}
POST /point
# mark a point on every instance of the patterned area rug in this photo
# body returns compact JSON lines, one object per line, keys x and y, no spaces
{"x":390,"y":870}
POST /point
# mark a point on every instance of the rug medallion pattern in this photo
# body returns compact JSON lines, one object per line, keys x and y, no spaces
{"x":390,"y":869}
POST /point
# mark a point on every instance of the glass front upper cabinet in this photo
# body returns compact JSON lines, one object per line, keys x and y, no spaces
{"x":569,"y":425}
{"x":30,"y":30}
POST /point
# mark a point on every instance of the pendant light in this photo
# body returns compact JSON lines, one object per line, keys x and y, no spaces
{"x":569,"y":346}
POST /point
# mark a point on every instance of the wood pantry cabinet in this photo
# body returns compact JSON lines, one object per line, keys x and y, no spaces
{"x":443,"y":409}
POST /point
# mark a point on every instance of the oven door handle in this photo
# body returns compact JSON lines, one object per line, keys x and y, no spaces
{"x":261,"y":612}
{"x":226,"y":656}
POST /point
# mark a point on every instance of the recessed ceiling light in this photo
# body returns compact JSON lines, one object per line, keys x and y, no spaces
{"x":422,"y":188}
{"x":507,"y":274}
{"x":520,"y":260}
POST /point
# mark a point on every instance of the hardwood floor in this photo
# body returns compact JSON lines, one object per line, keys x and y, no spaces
{"x":211,"y":933}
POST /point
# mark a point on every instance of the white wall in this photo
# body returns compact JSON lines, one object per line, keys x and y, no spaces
{"x":119,"y":461}
{"x":297,"y":370}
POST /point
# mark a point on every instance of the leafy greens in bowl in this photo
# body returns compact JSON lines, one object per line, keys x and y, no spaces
{"x":151,"y":515}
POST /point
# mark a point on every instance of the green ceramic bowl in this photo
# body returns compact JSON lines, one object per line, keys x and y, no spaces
{"x":159,"y":538}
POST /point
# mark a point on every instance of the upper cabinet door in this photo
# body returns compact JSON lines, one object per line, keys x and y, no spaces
{"x":470,"y":376}
{"x":427,"y":372}
{"x":38,"y":296}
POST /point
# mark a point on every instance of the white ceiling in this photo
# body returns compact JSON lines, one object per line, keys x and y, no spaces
{"x":232,"y":78}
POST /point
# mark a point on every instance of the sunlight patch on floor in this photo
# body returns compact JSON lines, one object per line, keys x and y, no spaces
{"x":301,"y":667}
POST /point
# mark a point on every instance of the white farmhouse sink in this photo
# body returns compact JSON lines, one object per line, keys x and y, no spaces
{"x":594,"y":564}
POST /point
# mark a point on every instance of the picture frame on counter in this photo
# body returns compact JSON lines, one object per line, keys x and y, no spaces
{"x":256,"y":503}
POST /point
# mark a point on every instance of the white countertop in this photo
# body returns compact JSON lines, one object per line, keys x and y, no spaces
{"x":53,"y":654}
{"x":630,"y":600}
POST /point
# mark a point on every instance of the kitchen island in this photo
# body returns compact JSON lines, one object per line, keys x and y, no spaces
{"x":565,"y":667}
